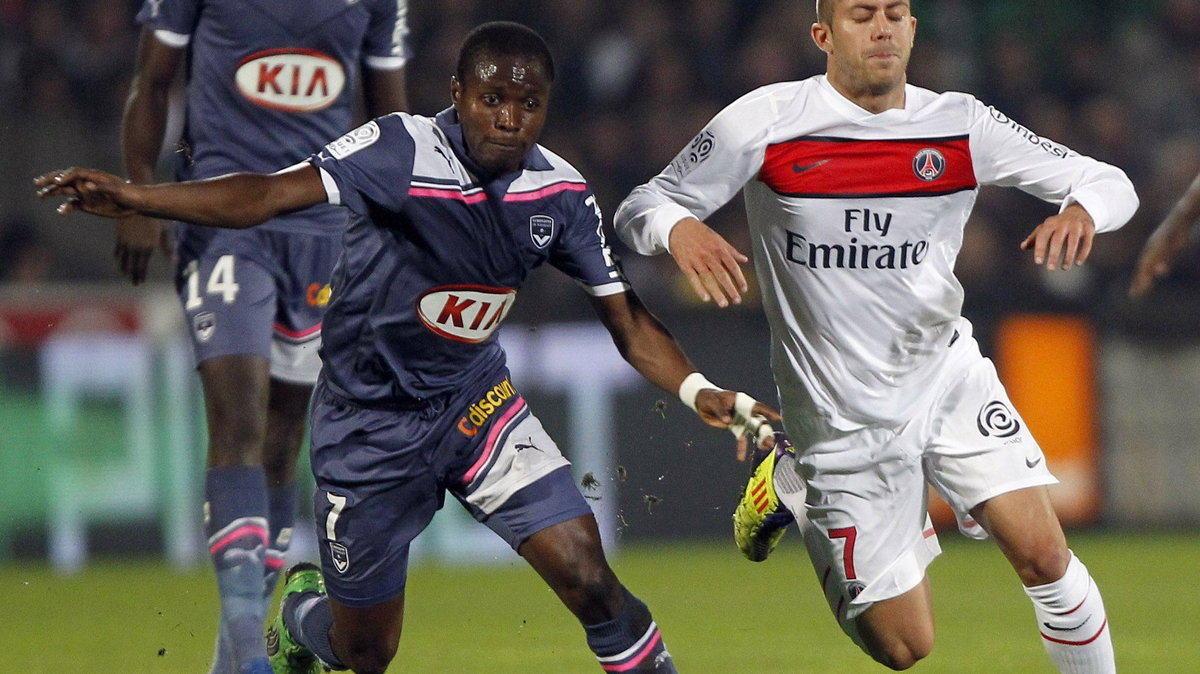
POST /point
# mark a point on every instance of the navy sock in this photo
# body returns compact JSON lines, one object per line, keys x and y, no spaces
{"x":630,"y":642}
{"x":308,"y":617}
{"x":236,"y":524}
{"x":281,"y":510}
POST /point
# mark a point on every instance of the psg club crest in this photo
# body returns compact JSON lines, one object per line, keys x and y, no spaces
{"x":929,"y":164}
{"x":541,"y":230}
{"x":340,"y":555}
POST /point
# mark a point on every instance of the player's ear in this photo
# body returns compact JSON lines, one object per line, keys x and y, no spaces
{"x":455,"y":89}
{"x":820,"y":35}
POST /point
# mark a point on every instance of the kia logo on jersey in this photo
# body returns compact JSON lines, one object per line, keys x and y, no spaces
{"x":929,"y":164}
{"x":541,"y":230}
{"x":292,"y":80}
{"x":465,"y":313}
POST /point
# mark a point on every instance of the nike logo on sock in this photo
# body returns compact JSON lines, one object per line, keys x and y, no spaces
{"x":1068,"y":629}
{"x":797,"y":168}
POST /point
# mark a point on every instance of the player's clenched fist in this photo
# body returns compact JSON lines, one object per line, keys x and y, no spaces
{"x":87,"y":190}
{"x":742,"y":415}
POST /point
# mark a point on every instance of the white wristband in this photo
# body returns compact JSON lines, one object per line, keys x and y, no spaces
{"x":692,"y":385}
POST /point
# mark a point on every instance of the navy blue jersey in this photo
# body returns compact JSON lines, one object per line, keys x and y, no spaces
{"x":435,"y":254}
{"x":271,"y":81}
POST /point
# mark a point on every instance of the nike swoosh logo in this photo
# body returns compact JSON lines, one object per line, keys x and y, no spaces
{"x":797,"y":168}
{"x":1068,"y":629}
{"x":1033,"y":464}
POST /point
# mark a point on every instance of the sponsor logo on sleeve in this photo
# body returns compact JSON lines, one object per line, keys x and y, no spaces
{"x":997,"y":419}
{"x":362,"y":137}
{"x":541,"y":230}
{"x":465,"y":313}
{"x":1049,"y":146}
{"x":695,"y":153}
{"x":929,"y":164}
{"x":290,"y":79}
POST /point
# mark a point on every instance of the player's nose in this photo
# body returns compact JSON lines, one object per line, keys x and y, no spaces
{"x":508,"y":118}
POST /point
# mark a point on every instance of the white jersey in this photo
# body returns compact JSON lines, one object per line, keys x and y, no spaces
{"x":856,"y":220}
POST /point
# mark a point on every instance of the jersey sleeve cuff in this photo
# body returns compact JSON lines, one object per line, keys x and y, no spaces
{"x":332,"y":194}
{"x":605,"y":289}
{"x":385,"y":62}
{"x":662,"y":220}
{"x":172,"y":39}
{"x":1094,"y":204}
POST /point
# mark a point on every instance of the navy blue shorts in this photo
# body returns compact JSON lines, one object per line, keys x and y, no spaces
{"x":382,"y":474}
{"x":257,"y":292}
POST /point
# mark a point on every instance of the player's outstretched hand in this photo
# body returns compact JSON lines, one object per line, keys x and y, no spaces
{"x":87,"y":190}
{"x":137,"y":238}
{"x":1063,"y":240}
{"x":742,"y":415}
{"x":711,"y":264}
{"x":1155,"y":261}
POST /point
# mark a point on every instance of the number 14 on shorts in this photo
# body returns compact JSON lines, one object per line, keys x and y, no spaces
{"x":221,"y":281}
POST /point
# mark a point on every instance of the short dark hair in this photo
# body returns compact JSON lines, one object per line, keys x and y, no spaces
{"x":825,"y":11}
{"x":503,"y":38}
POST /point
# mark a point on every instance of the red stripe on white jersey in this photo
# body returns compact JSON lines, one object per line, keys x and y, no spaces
{"x":828,"y":167}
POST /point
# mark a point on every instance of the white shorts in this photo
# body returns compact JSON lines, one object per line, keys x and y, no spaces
{"x":868,"y":531}
{"x":296,"y":360}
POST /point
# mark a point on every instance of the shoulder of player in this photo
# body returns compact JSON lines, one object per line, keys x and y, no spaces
{"x":775,"y":95}
{"x":948,"y":102}
{"x":555,"y":171}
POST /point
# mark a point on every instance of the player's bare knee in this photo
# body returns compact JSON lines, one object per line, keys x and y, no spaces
{"x":899,"y":644}
{"x":1042,"y":565}
{"x":594,"y":591}
{"x":368,"y":658}
{"x":901,"y":655}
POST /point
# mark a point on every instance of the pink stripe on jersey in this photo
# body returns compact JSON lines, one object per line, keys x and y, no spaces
{"x":490,"y":445}
{"x":454,"y":193}
{"x":247,"y":530}
{"x":638,"y":657}
{"x":297,"y":334}
{"x":545,"y":192}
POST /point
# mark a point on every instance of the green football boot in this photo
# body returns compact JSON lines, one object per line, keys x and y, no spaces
{"x":760,"y":519}
{"x":286,"y":655}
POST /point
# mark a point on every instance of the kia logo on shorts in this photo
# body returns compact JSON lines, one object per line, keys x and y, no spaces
{"x":292,"y":80}
{"x":465,"y":313}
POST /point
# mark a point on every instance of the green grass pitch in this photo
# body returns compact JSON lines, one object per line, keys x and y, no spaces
{"x":719,"y":613}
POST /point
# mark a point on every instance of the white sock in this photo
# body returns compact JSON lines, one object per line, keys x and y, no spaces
{"x":1073,"y":624}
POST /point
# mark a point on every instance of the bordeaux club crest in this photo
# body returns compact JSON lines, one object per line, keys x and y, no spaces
{"x":929,"y":164}
{"x":541,"y":230}
{"x":204,"y":324}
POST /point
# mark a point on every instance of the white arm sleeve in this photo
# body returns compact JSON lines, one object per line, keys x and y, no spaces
{"x":1007,"y":154}
{"x":704,"y":176}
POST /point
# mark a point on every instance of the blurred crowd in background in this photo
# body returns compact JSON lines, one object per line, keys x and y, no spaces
{"x":1115,"y":79}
